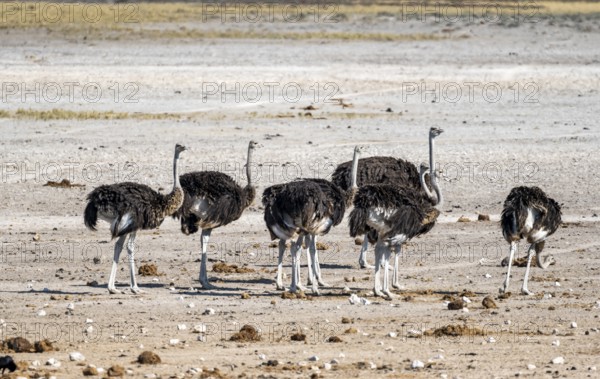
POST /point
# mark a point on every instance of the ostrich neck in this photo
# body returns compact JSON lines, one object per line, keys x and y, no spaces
{"x":248,"y":168}
{"x":424,"y":183}
{"x":174,"y":200}
{"x":543,"y":264}
{"x":353,"y":179}
{"x":433,"y":175}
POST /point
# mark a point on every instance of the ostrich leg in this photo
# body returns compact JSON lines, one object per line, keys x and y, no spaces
{"x":379,"y":252}
{"x":395,"y":278}
{"x":204,"y":245}
{"x":362,"y":259}
{"x":131,"y":257}
{"x":113,"y":272}
{"x":513,"y":248}
{"x":280,"y":265}
{"x":315,"y":263}
{"x":296,"y":249}
{"x":317,"y":266}
{"x":524,"y":289}
{"x":386,"y":272}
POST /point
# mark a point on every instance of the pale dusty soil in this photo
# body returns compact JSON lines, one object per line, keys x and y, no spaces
{"x":487,"y":149}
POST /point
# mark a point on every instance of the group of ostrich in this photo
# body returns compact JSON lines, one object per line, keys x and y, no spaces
{"x":392,"y":201}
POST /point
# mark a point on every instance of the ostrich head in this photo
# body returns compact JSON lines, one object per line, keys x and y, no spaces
{"x":178,"y":149}
{"x":434,"y":132}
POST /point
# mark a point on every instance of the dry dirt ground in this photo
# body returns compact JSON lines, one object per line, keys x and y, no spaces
{"x":531,"y":118}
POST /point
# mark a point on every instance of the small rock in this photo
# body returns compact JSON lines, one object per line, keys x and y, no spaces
{"x":208,"y":312}
{"x":573,"y":325}
{"x":487,"y":276}
{"x":245,"y":296}
{"x":200,"y":328}
{"x":181,"y":327}
{"x":314,"y":358}
{"x":483,"y":217}
{"x":417,"y":364}
{"x":556,"y":343}
{"x":392,"y":335}
{"x":488,"y":303}
{"x":90,"y":371}
{"x":191,"y":305}
{"x":463,"y":219}
{"x":327,"y":366}
{"x":53,"y":362}
{"x":76,"y":356}
{"x":173,"y":341}
{"x":116,"y":370}
{"x":36,"y":237}
{"x":466,"y":299}
{"x":41,"y":313}
{"x":491,"y":340}
{"x":372,"y":366}
{"x":558,"y":360}
{"x":531,"y":367}
{"x":262,"y":357}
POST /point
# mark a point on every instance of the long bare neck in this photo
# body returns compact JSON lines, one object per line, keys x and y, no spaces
{"x":249,"y":190}
{"x":422,"y":172}
{"x":433,"y":176}
{"x":175,"y":198}
{"x":353,"y":179}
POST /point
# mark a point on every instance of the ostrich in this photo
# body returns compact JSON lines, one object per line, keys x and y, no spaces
{"x":395,"y":214}
{"x":529,"y":213}
{"x":129,"y":207}
{"x":379,"y":170}
{"x":213,"y":199}
{"x":6,"y":362}
{"x":304,"y":209}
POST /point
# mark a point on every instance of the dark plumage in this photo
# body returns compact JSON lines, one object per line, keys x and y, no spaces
{"x":305,"y":208}
{"x":7,"y":362}
{"x":395,"y":213}
{"x":530,"y":214}
{"x":378,"y":170}
{"x":130,"y":207}
{"x":213,"y":199}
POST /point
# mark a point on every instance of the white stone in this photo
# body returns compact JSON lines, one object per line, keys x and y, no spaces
{"x":466,"y":299}
{"x":354,"y":299}
{"x":437,"y":357}
{"x":71,"y":306}
{"x":36,"y":363}
{"x":150,"y":376}
{"x":392,"y":335}
{"x":41,"y":313}
{"x":76,"y":356}
{"x":209,"y":311}
{"x":191,"y":305}
{"x":531,"y":367}
{"x":327,"y":366}
{"x":334,"y":361}
{"x":53,"y":362}
{"x":487,"y":276}
{"x":262,"y":357}
{"x":558,"y":361}
{"x":573,"y":325}
{"x":173,"y":341}
{"x":372,"y":365}
{"x":89,"y":321}
{"x":195,"y":370}
{"x":491,"y":340}
{"x":200,"y":328}
{"x":417,"y":364}
{"x":413,"y":333}
{"x":314,"y":358}
{"x":89,"y":330}
{"x":556,"y":343}
{"x":181,"y":327}
{"x":556,"y":284}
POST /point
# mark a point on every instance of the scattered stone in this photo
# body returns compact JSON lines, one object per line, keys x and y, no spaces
{"x":245,"y":296}
{"x":247,"y":333}
{"x":334,"y":339}
{"x":558,"y":360}
{"x":573,"y":325}
{"x":262,"y":357}
{"x":148,"y":270}
{"x":556,"y":343}
{"x":90,"y":371}
{"x":41,"y":313}
{"x":71,"y":307}
{"x":488,"y":303}
{"x":53,"y":362}
{"x":504,"y":296}
{"x":314,"y":358}
{"x":346,"y":320}
{"x":417,"y":365}
{"x":351,"y":331}
{"x":454,"y":331}
{"x":208,"y":312}
{"x":322,"y":246}
{"x":531,"y":367}
{"x":463,"y":219}
{"x":173,"y":341}
{"x":43,"y":346}
{"x":298,"y":337}
{"x":116,"y":370}
{"x":358,"y":241}
{"x":93,"y":283}
{"x":483,"y":217}
{"x":354,"y":300}
{"x":181,"y":327}
{"x":457,"y":304}
{"x":148,"y":358}
{"x":392,"y":335}
{"x":200,"y":328}
{"x":76,"y":356}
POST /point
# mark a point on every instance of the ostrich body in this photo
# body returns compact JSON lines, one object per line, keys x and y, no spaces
{"x":529,"y":213}
{"x":213,"y":199}
{"x":304,"y":209}
{"x":6,"y":362}
{"x":130,"y":207}
{"x":378,"y":170}
{"x":395,"y":214}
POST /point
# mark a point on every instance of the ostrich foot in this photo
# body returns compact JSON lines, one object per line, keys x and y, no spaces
{"x":309,"y":282}
{"x":136,"y":290}
{"x":365,"y":265}
{"x":388,"y":294}
{"x":377,"y":292}
{"x":297,"y":288}
{"x":280,"y":287}
{"x":114,"y":291}
{"x":206,"y":285}
{"x":322,"y":283}
{"x":397,"y":286}
{"x":525,"y":291}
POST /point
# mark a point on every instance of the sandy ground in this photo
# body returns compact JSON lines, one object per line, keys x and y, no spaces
{"x":540,"y":129}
